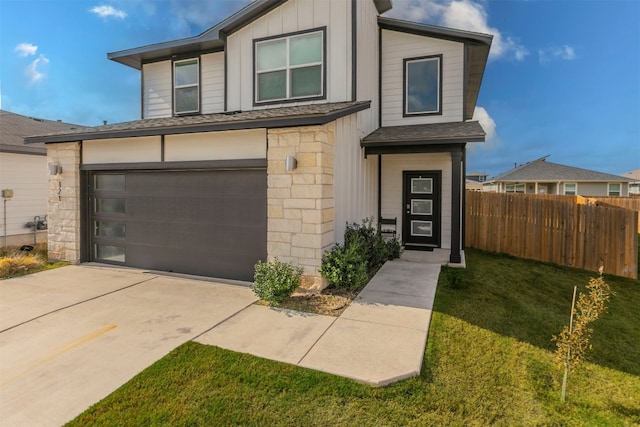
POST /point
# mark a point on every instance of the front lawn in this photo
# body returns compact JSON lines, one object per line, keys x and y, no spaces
{"x":488,"y":361}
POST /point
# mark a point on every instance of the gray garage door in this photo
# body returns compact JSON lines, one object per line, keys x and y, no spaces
{"x":209,"y":223}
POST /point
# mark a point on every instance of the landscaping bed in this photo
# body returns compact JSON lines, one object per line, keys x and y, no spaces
{"x":18,"y":261}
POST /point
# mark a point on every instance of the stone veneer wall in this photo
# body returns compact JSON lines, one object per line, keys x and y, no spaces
{"x":63,"y":212}
{"x":300,"y":203}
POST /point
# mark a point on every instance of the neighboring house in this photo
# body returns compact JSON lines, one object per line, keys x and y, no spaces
{"x":634,"y":184}
{"x":471,"y":184}
{"x":543,"y":177}
{"x":477,"y":176}
{"x":23,"y":177}
{"x":474,"y":180}
{"x":263,"y":136}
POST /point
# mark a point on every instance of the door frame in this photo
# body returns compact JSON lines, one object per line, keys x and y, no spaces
{"x":435,"y":239}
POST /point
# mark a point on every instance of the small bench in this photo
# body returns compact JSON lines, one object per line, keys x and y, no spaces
{"x":388,"y":227}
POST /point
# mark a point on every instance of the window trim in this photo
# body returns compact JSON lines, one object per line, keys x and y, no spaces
{"x":516,"y":186}
{"x":287,"y":36}
{"x":619,"y":191}
{"x":575,"y":188}
{"x":405,"y":87}
{"x":175,"y":86}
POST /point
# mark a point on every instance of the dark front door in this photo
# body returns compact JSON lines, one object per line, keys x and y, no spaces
{"x":203,"y":222}
{"x":421,"y":203}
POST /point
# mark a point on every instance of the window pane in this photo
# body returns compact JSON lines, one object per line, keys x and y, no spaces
{"x":421,"y":185}
{"x":109,"y":229}
{"x":305,"y":49}
{"x":422,"y":86}
{"x":422,"y":228}
{"x":272,"y":85}
{"x":110,"y":206}
{"x":186,"y":73}
{"x":110,"y":253}
{"x":421,"y":207}
{"x":306,"y":81}
{"x":109,"y":182}
{"x":271,"y":55}
{"x":186,"y":99}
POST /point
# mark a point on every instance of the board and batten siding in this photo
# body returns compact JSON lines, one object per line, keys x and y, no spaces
{"x":392,"y":187}
{"x":212,"y":83}
{"x":158,"y":86}
{"x":156,"y":90}
{"x":27,"y":176}
{"x":367,"y":61}
{"x":293,"y":16}
{"x":355,"y":178}
{"x":398,"y":46}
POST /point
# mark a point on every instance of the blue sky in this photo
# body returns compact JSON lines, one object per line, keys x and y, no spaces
{"x":563,"y":77}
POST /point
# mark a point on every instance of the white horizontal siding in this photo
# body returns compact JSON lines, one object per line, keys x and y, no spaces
{"x":355,"y":178}
{"x":156,"y":87}
{"x":295,"y":15}
{"x":392,"y":167}
{"x":27,"y":176}
{"x":398,"y":46}
{"x":212,"y":82}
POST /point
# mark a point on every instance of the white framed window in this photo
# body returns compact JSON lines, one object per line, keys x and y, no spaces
{"x":186,"y":86}
{"x":570,"y":188}
{"x":515,"y":188}
{"x":423,"y":85}
{"x":614,"y":189}
{"x":290,"y":67}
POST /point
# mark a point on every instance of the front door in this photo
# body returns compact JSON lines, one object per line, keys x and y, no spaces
{"x":421,"y":203}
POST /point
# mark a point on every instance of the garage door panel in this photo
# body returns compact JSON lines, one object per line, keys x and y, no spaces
{"x":209,"y":223}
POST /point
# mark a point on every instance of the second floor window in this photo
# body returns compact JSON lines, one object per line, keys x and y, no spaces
{"x":186,"y":86}
{"x":422,"y":85}
{"x":290,"y":67}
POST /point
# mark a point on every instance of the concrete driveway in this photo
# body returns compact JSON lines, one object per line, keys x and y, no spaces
{"x":71,"y":336}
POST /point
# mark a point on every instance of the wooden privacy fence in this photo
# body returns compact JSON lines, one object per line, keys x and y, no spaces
{"x":632,"y":203}
{"x":554,"y":229}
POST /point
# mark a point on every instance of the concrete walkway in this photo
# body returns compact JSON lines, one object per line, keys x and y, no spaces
{"x":380,"y":338}
{"x":71,"y":336}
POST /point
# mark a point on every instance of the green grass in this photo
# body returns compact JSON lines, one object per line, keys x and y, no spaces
{"x":488,"y":361}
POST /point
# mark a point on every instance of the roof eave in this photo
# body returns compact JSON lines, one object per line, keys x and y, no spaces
{"x":210,"y":40}
{"x":295,"y":120}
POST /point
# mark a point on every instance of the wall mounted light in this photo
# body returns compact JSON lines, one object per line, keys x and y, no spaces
{"x":290,"y":163}
{"x":55,"y":169}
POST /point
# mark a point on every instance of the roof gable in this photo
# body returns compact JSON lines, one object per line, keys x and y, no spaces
{"x":476,"y":47}
{"x":541,"y":170}
{"x":211,"y":40}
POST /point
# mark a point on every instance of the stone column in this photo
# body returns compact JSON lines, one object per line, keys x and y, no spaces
{"x":63,"y":208}
{"x":300,"y":209}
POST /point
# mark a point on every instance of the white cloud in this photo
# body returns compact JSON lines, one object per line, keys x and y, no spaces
{"x":565,"y":53}
{"x":488,"y":124}
{"x":108,"y":12}
{"x":26,"y":49}
{"x":34,"y":72}
{"x":461,"y":14}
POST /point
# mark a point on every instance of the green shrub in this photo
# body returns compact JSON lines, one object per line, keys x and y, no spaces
{"x":454,"y":277}
{"x":345,"y":266}
{"x":274,"y":281}
{"x":394,"y":250}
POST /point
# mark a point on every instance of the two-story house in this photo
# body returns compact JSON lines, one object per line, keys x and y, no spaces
{"x":263,"y":136}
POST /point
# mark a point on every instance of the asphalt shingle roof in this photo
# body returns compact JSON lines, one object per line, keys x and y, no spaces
{"x":541,"y":170}
{"x":434,"y":133}
{"x":303,"y":115}
{"x":14,"y":127}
